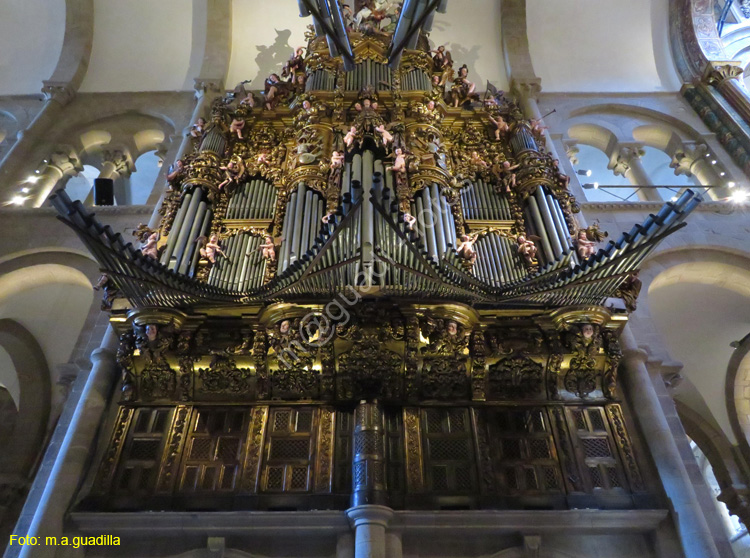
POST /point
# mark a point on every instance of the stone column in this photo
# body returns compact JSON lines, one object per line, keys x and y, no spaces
{"x":628,"y":164}
{"x":369,"y":523}
{"x":725,"y":77}
{"x":368,"y":461}
{"x":60,"y":167}
{"x":695,"y":162}
{"x":58,"y":479}
{"x":20,"y":156}
{"x":527,"y":92}
{"x":695,"y":535}
{"x":205,"y":92}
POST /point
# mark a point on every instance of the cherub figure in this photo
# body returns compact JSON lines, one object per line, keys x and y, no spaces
{"x":505,"y":175}
{"x":477,"y":162}
{"x":236,"y":126}
{"x":250,"y":100}
{"x":268,"y":249}
{"x":149,"y":248}
{"x":350,"y":137}
{"x":501,"y":127}
{"x":211,"y":249}
{"x":537,"y":129}
{"x":198,"y":129}
{"x":462,"y":89}
{"x":233,"y":171}
{"x":385,"y":134}
{"x":337,"y":159}
{"x":527,"y":249}
{"x":399,"y":163}
{"x":584,"y":247}
{"x":466,"y":248}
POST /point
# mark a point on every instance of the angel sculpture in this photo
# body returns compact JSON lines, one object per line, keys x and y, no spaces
{"x":442,"y":63}
{"x":527,"y":249}
{"x":210,"y":249}
{"x":501,"y":127}
{"x":236,"y":126}
{"x":153,"y":339}
{"x":175,"y":170}
{"x":385,"y":134}
{"x":233,"y":171}
{"x":150,"y":248}
{"x":403,"y":192}
{"x":462,"y":89}
{"x":268,"y":248}
{"x":445,"y":336}
{"x":109,"y":291}
{"x":198,"y":129}
{"x":505,"y":175}
{"x":275,"y":89}
{"x":466,"y":248}
{"x":584,"y":247}
{"x":296,"y":63}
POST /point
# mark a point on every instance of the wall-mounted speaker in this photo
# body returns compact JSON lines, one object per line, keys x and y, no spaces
{"x":104,"y":191}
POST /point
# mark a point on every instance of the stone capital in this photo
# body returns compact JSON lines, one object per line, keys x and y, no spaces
{"x":527,"y":87}
{"x":737,"y":500}
{"x":635,"y":356}
{"x":717,"y":73}
{"x":626,"y":157}
{"x":120,"y":160}
{"x":369,"y":515}
{"x":208,"y":85}
{"x":59,"y":91}
{"x":66,"y":163}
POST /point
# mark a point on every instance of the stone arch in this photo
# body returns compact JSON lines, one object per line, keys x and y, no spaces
{"x":35,"y":397}
{"x":715,"y":446}
{"x":78,"y":260}
{"x":738,"y":379}
{"x":714,"y":280}
{"x":694,"y":36}
{"x":594,"y":135}
{"x":635,"y":116}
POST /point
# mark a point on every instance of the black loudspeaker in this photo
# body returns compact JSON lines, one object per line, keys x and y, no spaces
{"x":104,"y":191}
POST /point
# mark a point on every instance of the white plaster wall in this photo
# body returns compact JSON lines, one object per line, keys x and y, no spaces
{"x":140,"y":45}
{"x":31,"y":38}
{"x":263,"y":37}
{"x":601,"y":45}
{"x":471,"y":31}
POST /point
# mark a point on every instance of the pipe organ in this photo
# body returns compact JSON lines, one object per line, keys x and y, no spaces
{"x":365,"y":293}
